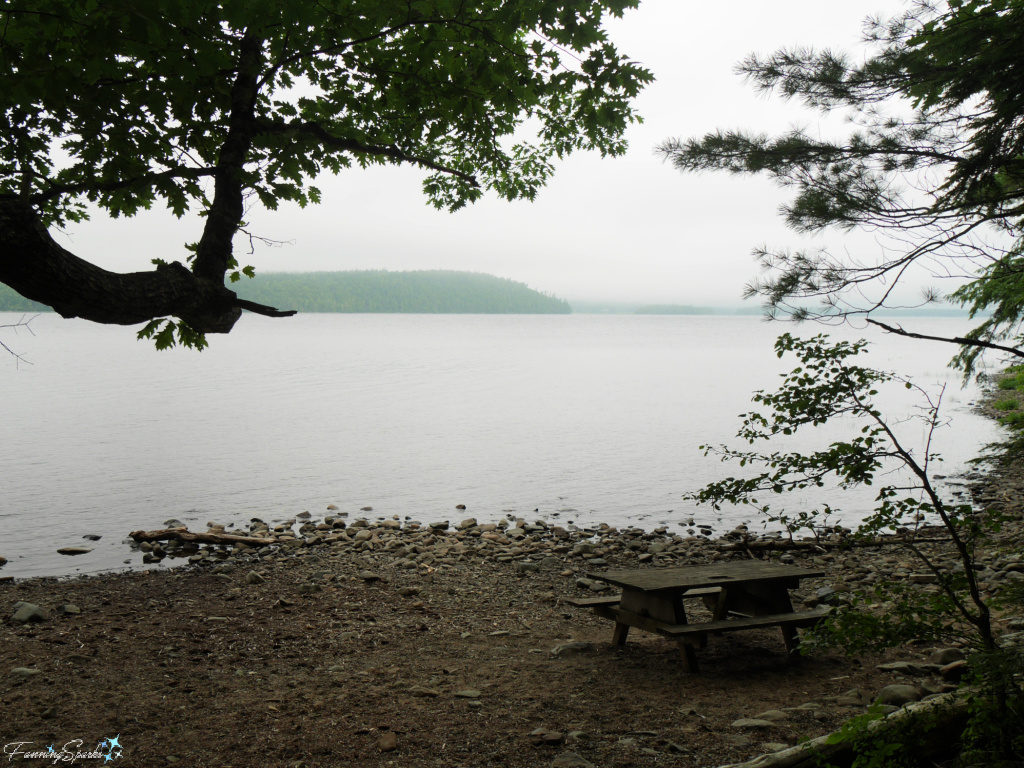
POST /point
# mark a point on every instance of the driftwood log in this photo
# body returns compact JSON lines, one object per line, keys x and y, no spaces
{"x":209,"y":537}
{"x":935,"y":725}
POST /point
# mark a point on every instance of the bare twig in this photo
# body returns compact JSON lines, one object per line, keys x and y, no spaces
{"x":22,"y":323}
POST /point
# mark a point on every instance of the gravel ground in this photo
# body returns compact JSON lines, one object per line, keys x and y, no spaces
{"x":378,"y":645}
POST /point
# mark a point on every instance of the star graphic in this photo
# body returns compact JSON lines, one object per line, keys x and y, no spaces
{"x":114,"y":742}
{"x":51,"y":748}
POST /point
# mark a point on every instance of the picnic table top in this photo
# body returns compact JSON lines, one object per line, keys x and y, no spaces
{"x":709,"y":575}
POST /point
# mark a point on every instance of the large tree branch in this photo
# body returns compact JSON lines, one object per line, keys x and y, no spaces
{"x":150,"y":179}
{"x":33,"y":264}
{"x":951,"y":340}
{"x":321,"y":135}
{"x":213,"y":254}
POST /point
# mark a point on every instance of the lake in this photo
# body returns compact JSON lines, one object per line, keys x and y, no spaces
{"x":566,"y":418}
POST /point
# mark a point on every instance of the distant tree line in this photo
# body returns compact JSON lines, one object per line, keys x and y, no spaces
{"x":12,"y":301}
{"x":672,"y":309}
{"x":434,"y":291}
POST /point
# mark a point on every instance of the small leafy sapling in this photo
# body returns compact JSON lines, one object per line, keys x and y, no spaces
{"x":829,"y":386}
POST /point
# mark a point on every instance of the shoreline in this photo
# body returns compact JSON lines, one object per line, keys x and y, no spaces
{"x":429,"y":647}
{"x":378,"y":643}
{"x":383,"y":644}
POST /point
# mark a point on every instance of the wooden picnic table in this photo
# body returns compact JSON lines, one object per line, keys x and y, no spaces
{"x":741,"y":594}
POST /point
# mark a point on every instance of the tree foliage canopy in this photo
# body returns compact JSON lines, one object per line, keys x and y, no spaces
{"x":203,"y":106}
{"x":936,"y":159}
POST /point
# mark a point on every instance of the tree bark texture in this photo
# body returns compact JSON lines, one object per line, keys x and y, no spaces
{"x":37,"y":267}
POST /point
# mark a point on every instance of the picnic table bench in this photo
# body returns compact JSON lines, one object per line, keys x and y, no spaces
{"x":741,"y":594}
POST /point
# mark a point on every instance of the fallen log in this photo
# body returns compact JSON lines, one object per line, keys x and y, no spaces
{"x":935,"y":725}
{"x":210,"y":537}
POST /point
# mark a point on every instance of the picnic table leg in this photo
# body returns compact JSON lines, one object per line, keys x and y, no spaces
{"x":620,"y":634}
{"x":792,"y":640}
{"x":688,"y":655}
{"x":717,"y":604}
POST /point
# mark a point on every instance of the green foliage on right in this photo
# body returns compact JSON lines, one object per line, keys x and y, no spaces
{"x":829,"y":385}
{"x":933,"y":164}
{"x":1011,"y":402}
{"x":434,"y":291}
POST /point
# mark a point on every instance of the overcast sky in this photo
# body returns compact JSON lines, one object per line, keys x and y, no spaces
{"x":622,"y":229}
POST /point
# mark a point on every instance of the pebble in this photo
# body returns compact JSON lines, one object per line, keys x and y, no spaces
{"x":570,"y":760}
{"x":74,"y":550}
{"x":571,"y":649}
{"x":736,"y":740}
{"x":944,"y":656}
{"x":28,"y":612}
{"x":898,"y":695}
{"x":25,"y":673}
{"x":547,"y":737}
{"x":954,"y":671}
{"x":388,"y":742}
{"x":421,"y":691}
{"x":772,"y":715}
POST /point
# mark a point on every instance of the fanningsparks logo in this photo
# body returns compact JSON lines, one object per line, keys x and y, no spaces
{"x":106,"y":750}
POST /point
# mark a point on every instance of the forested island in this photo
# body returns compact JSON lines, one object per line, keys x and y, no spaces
{"x":429,"y":291}
{"x":433,"y":291}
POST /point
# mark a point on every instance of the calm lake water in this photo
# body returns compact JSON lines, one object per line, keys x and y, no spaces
{"x":581,"y":418}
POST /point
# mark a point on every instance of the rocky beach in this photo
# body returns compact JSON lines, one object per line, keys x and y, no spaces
{"x":351,"y":640}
